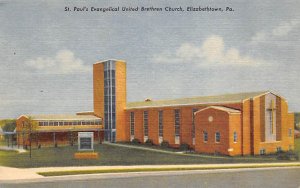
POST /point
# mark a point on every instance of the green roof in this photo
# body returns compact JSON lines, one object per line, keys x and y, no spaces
{"x":62,"y":117}
{"x":226,"y":98}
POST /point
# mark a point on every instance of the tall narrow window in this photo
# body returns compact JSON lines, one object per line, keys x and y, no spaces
{"x":160,"y":124}
{"x":109,"y":100}
{"x":177,"y":122}
{"x":193,"y":123}
{"x":272,"y":114}
{"x":290,"y":132}
{"x":234,"y":137}
{"x":131,"y":123}
{"x":205,"y":136}
{"x":145,"y":123}
{"x":218,"y":137}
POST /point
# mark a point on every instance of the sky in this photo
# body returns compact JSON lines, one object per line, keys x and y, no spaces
{"x":47,"y":53}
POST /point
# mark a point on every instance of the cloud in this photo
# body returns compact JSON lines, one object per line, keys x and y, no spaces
{"x":211,"y":52}
{"x":64,"y":62}
{"x":283,"y":29}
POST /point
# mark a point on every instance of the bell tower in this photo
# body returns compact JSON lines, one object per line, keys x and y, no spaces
{"x":109,"y":81}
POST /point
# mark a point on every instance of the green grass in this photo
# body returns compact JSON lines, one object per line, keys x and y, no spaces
{"x":112,"y":155}
{"x":75,"y":172}
{"x":297,"y":145}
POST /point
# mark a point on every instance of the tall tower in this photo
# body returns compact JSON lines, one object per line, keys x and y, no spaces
{"x":110,"y":98}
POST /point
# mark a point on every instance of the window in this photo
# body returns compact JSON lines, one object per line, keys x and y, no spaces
{"x":218,"y":137}
{"x":262,"y":151}
{"x":109,"y":99}
{"x":131,"y":123}
{"x":193,"y":125}
{"x":278,"y":149}
{"x":160,"y":124}
{"x":145,"y":123}
{"x":290,"y":132}
{"x":97,"y":122}
{"x":234,"y":137}
{"x":41,"y":123}
{"x":205,"y":136}
{"x":177,"y":122}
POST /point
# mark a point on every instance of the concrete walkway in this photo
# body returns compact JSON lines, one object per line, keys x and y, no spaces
{"x":141,"y":147}
{"x":14,"y":148}
{"x":8,"y":173}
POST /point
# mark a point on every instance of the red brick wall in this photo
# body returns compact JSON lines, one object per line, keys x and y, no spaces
{"x":246,"y":127}
{"x":220,"y":124}
{"x":168,"y":122}
{"x":235,"y":125}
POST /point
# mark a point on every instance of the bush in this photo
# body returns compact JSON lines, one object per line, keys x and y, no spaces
{"x":289,"y":155}
{"x":149,"y":142}
{"x":165,"y":144}
{"x":184,"y":147}
{"x":135,"y":141}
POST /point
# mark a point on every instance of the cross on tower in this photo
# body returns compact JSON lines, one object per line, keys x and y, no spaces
{"x":272,"y":110}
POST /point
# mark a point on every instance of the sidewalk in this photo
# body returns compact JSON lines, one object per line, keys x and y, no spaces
{"x":8,"y":173}
{"x":14,"y":148}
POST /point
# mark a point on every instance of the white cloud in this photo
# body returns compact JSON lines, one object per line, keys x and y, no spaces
{"x":64,"y":62}
{"x":283,"y":29}
{"x":211,"y":52}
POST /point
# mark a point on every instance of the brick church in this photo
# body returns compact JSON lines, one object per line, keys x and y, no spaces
{"x":253,"y":123}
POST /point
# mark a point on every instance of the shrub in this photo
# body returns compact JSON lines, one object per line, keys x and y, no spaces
{"x":149,"y":142}
{"x":165,"y":144}
{"x":184,"y":147}
{"x":289,"y":155}
{"x":135,"y":141}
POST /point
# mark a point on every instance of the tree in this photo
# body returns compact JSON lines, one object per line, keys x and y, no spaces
{"x":30,"y":127}
{"x":9,"y":125}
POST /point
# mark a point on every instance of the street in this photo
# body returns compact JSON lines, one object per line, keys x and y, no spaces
{"x":274,"y":177}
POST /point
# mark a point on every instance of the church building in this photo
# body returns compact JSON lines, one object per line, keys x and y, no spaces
{"x":251,"y":123}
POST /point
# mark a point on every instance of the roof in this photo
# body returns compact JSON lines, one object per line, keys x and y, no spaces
{"x":226,"y":98}
{"x":63,"y":117}
{"x":222,"y":108}
{"x":116,"y":60}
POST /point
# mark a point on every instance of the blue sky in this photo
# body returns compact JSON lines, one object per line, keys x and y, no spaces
{"x":47,"y":53}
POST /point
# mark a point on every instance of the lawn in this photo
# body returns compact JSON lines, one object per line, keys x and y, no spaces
{"x":297,"y":145}
{"x":112,"y":155}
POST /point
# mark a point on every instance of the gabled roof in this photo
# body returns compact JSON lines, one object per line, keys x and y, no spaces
{"x":63,"y":117}
{"x":226,"y":98}
{"x":222,"y":108}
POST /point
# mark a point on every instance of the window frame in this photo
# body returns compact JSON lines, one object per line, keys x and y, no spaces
{"x":235,"y":137}
{"x":217,"y":135}
{"x":146,"y":122}
{"x":205,"y":137}
{"x":132,"y":122}
{"x":177,"y":120}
